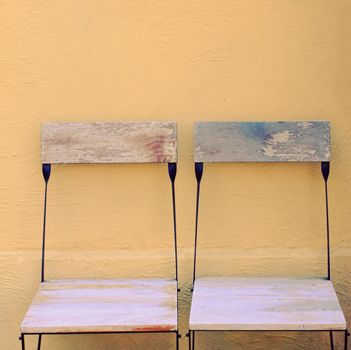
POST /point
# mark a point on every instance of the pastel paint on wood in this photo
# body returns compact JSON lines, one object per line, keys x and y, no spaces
{"x":133,"y":305}
{"x":303,"y":141}
{"x":109,"y":142}
{"x":239,"y":303}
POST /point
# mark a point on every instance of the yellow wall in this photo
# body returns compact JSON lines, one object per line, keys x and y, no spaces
{"x":182,"y":60}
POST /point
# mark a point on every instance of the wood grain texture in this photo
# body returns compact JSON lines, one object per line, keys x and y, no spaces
{"x":303,"y":141}
{"x":112,"y":142}
{"x":228,"y":303}
{"x":135,"y":305}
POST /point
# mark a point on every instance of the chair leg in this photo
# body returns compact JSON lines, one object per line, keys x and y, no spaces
{"x":346,"y":338}
{"x":177,"y":340}
{"x":331,"y":340}
{"x":189,"y":336}
{"x":39,"y":342}
{"x":22,"y":341}
{"x":193,"y":341}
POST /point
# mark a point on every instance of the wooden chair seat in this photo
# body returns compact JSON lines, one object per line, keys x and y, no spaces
{"x":116,"y":305}
{"x":245,"y":304}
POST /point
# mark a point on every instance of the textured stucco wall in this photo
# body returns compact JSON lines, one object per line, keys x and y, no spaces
{"x":183,"y":60}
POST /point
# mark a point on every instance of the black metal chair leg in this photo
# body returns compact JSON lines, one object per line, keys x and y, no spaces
{"x":346,"y":338}
{"x":39,"y":342}
{"x":189,"y":339}
{"x":331,"y":340}
{"x":177,"y":340}
{"x":193,"y":341}
{"x":22,"y":342}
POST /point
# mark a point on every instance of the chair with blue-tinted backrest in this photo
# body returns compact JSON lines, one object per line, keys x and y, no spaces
{"x":263,"y":304}
{"x":86,"y":306}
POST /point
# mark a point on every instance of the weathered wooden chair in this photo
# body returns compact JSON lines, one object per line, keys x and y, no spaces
{"x":263,"y":304}
{"x":80,"y":306}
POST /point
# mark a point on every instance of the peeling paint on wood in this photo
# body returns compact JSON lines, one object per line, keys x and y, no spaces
{"x":303,"y":141}
{"x":239,"y":303}
{"x":110,"y":142}
{"x":103,"y":306}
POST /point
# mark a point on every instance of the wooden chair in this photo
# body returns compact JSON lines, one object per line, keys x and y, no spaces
{"x":80,"y":306}
{"x":263,"y":304}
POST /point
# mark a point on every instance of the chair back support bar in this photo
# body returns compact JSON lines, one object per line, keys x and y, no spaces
{"x":110,"y":142}
{"x":302,"y":141}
